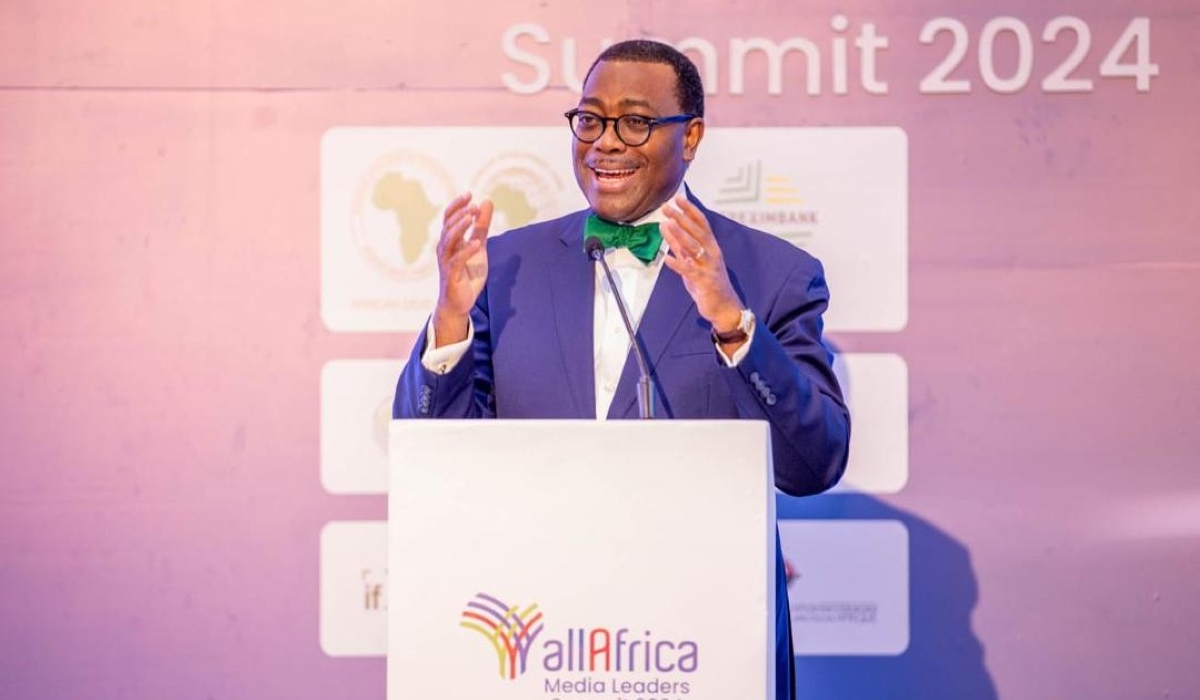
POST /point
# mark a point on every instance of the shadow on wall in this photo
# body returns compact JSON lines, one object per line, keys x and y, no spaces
{"x":944,"y":659}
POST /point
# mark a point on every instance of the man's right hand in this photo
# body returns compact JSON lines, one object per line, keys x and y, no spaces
{"x":462,"y":266}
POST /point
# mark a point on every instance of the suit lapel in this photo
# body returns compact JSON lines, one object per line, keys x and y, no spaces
{"x":668,"y":306}
{"x":572,"y":295}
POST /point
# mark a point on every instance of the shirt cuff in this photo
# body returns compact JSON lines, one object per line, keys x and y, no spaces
{"x":441,"y":360}
{"x":738,"y":355}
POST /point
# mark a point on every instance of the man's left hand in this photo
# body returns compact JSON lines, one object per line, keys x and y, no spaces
{"x":696,"y":257}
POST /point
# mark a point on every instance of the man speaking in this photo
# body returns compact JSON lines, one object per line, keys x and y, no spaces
{"x":528,"y":326}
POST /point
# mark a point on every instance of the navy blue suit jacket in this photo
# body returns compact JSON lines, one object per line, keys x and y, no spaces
{"x":533,"y":356}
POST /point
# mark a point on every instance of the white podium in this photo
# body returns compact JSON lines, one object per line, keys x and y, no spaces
{"x":583,"y":559}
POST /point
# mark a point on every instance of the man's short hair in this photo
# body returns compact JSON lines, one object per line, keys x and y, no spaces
{"x":688,"y":88}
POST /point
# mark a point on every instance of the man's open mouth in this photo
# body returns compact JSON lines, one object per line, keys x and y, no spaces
{"x":613,"y":173}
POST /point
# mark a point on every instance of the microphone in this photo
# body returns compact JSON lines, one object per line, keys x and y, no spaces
{"x":645,"y":395}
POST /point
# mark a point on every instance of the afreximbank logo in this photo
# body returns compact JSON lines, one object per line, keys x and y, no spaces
{"x":580,"y":660}
{"x":769,"y":201}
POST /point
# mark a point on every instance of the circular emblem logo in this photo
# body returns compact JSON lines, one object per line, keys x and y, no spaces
{"x":395,"y":213}
{"x":522,"y":187}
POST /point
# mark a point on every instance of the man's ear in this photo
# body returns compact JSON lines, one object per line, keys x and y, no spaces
{"x":692,"y":138}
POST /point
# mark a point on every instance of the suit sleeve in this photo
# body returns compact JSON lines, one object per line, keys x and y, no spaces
{"x":788,"y":381}
{"x":464,"y":391}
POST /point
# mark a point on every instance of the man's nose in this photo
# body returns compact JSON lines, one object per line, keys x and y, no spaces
{"x":609,"y":141}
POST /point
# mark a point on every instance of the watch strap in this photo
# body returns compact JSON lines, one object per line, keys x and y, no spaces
{"x":739,"y":334}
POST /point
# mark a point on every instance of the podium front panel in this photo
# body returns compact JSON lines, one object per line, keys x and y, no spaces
{"x":548,"y":559}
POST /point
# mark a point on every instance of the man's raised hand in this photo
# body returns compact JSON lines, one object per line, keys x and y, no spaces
{"x":462,"y":266}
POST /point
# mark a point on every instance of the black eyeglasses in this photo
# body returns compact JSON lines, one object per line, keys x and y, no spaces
{"x":632,"y":129}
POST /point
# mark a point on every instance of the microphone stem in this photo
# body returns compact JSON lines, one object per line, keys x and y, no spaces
{"x":645,"y":394}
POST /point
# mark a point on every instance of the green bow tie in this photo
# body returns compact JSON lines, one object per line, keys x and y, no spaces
{"x":643,"y":241}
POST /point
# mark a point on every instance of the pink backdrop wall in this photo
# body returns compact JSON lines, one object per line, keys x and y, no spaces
{"x":160,"y":335}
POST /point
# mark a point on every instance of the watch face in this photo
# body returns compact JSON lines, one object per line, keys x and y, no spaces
{"x":747,"y":324}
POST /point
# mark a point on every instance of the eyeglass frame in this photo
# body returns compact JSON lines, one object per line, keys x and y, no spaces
{"x":651,"y":123}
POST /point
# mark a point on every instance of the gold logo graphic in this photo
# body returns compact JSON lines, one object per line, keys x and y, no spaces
{"x":523,"y":188}
{"x":395,"y":213}
{"x":769,"y":202}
